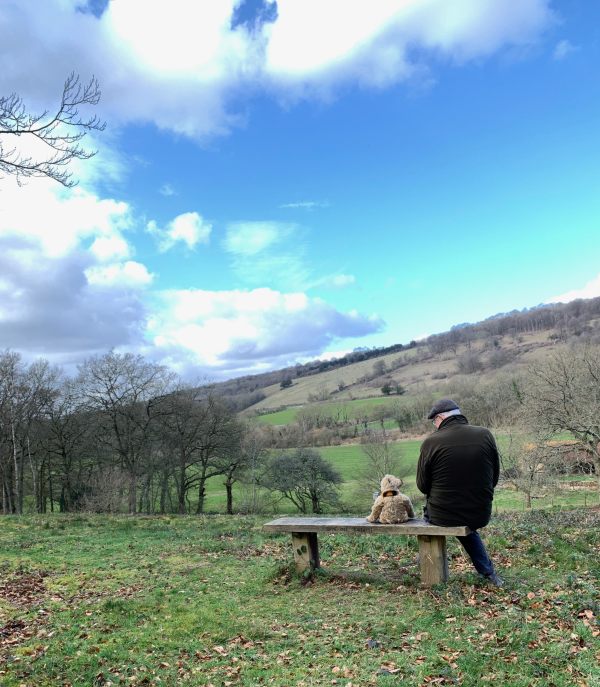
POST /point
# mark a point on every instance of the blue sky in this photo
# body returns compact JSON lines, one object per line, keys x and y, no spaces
{"x":283,"y":181}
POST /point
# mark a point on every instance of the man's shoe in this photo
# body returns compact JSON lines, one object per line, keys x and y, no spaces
{"x":494,"y":579}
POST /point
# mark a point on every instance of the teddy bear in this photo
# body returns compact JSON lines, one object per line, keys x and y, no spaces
{"x":391,"y":506}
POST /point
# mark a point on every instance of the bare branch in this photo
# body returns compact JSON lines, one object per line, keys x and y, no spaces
{"x":58,"y":133}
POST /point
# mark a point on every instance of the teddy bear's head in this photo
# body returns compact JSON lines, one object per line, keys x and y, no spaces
{"x":390,"y":483}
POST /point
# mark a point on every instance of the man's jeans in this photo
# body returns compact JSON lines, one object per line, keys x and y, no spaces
{"x":473,"y":545}
{"x":475,"y":549}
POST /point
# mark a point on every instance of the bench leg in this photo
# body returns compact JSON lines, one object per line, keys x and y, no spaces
{"x":306,"y":550}
{"x":433,"y":560}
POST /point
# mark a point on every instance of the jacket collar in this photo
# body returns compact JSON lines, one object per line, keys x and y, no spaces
{"x":453,"y":420}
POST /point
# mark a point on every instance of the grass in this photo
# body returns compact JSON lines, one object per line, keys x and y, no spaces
{"x":356,"y":408}
{"x":99,"y":601}
{"x":348,"y":459}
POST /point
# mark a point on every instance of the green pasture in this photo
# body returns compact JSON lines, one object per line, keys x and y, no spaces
{"x":281,"y":417}
{"x":100,"y":601}
{"x":357,"y":408}
{"x":349,"y":460}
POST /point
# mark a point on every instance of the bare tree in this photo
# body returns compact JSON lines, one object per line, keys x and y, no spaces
{"x":529,"y":463}
{"x":381,"y":413}
{"x":125,"y":390}
{"x":564,"y":396}
{"x":12,"y":392}
{"x":380,"y":457}
{"x":254,"y":445}
{"x":23,"y":393}
{"x":235,"y":461}
{"x":178,"y":429}
{"x":50,"y":141}
{"x":66,"y":436}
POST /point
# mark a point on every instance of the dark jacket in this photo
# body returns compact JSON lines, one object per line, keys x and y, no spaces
{"x":457,"y":471}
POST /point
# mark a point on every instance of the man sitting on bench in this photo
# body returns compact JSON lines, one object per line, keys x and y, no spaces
{"x":457,"y":471}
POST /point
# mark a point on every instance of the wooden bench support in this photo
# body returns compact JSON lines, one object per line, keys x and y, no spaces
{"x":433,"y":560}
{"x":306,"y":550}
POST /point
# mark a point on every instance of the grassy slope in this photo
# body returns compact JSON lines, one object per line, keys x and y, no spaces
{"x":210,"y":601}
{"x":415,"y":377}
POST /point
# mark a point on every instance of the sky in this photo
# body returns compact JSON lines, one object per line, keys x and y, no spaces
{"x":286,"y":180}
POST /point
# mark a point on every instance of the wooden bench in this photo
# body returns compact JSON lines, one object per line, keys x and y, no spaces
{"x":433,"y":561}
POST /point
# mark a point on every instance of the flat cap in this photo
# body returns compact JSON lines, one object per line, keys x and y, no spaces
{"x":442,"y":406}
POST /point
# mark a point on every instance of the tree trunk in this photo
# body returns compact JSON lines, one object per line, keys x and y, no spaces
{"x":50,"y":489}
{"x":18,"y":482}
{"x":132,"y":493}
{"x":229,"y":489}
{"x":164,"y":488}
{"x":201,"y":495}
{"x":181,"y":509}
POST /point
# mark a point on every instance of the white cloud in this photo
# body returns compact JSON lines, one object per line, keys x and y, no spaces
{"x":70,"y":288}
{"x":127,"y":274}
{"x":180,"y":64}
{"x":589,"y":290}
{"x":243,"y":330}
{"x":564,"y":48}
{"x":57,"y":219}
{"x":56,"y":247}
{"x":188,"y":228}
{"x":374,"y":45}
{"x":110,"y":247}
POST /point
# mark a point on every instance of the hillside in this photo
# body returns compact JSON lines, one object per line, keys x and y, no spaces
{"x":508,"y":342}
{"x":416,"y":370}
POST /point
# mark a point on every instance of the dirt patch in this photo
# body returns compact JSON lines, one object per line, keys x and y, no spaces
{"x":24,"y":589}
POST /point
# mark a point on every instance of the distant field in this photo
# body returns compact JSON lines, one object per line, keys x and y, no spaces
{"x":348,"y":459}
{"x":355,"y":408}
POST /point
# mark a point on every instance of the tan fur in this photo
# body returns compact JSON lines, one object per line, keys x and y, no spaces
{"x":393,"y":509}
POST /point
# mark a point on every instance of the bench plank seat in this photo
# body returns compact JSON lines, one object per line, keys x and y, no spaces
{"x":361,"y":526}
{"x":432,"y":540}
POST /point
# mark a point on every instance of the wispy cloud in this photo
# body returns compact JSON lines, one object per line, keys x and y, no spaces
{"x":306,"y":205}
{"x":564,"y":48}
{"x":589,"y":290}
{"x":167,"y":190}
{"x":337,"y":281}
{"x":268,"y":254}
{"x":251,"y":238}
{"x":188,"y":228}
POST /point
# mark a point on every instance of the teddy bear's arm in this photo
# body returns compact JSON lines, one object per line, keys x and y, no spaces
{"x":409,"y":507}
{"x":376,"y":510}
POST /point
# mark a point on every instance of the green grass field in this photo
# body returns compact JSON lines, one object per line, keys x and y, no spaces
{"x":356,"y":408}
{"x":348,"y":459}
{"x":100,"y":601}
